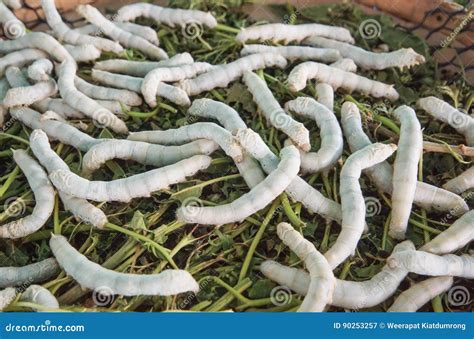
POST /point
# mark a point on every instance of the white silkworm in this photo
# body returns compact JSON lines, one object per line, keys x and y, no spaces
{"x":347,"y":294}
{"x":33,"y":273}
{"x":6,"y":297}
{"x":145,"y":32}
{"x":93,"y":276}
{"x":25,"y":96}
{"x":325,"y":95}
{"x":20,"y":58}
{"x":167,"y":16}
{"x":64,"y":33}
{"x":330,"y":133}
{"x":405,"y":170}
{"x":13,"y":4}
{"x":169,"y":74}
{"x":4,"y":87}
{"x":142,"y":68}
{"x":172,"y":93}
{"x":426,"y":196}
{"x":105,"y":93}
{"x":115,"y":107}
{"x":420,"y":293}
{"x":345,"y":64}
{"x":39,"y":295}
{"x":255,"y":200}
{"x":298,"y":189}
{"x":288,"y":33}
{"x":40,"y":70}
{"x":124,"y":190}
{"x":441,"y":110}
{"x":462,"y":182}
{"x":273,"y":112}
{"x":125,"y":38}
{"x":38,"y":40}
{"x":405,"y":57}
{"x":44,"y":197}
{"x":425,"y":263}
{"x":83,"y":53}
{"x":459,"y":234}
{"x":144,"y":153}
{"x":338,"y":79}
{"x":200,"y":130}
{"x":222,"y":75}
{"x":293,"y":53}
{"x":322,"y":280}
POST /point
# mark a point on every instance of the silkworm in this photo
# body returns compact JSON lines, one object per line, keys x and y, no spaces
{"x":441,"y":110}
{"x":200,"y":130}
{"x":144,"y":153}
{"x":322,"y":280}
{"x":124,"y":190}
{"x":222,"y":75}
{"x":12,"y":27}
{"x":426,"y":196}
{"x":325,"y":95}
{"x":105,"y":93}
{"x":40,"y":70}
{"x":44,"y":197}
{"x":125,"y":38}
{"x":255,"y":200}
{"x":420,"y":293}
{"x":345,"y":64}
{"x":404,"y":57}
{"x":39,"y":295}
{"x":172,"y":93}
{"x":93,"y":276}
{"x":405,"y":170}
{"x":338,"y":79}
{"x":14,"y":4}
{"x":273,"y":112}
{"x":288,"y":33}
{"x":293,"y":53}
{"x":24,"y":96}
{"x":298,"y":189}
{"x":6,"y":297}
{"x":4,"y":87}
{"x":424,"y":263}
{"x":20,"y":58}
{"x":64,"y":33}
{"x":347,"y":294}
{"x":33,"y":273}
{"x":169,"y":74}
{"x":83,"y":53}
{"x":142,"y":68}
{"x":167,"y":16}
{"x":145,"y":32}
{"x":113,"y":106}
{"x":462,"y":182}
{"x":330,"y":133}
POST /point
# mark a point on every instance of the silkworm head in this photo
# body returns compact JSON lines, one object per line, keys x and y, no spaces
{"x":251,"y":142}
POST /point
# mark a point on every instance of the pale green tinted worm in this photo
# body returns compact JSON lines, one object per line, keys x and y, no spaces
{"x":40,"y":70}
{"x":33,"y":273}
{"x":145,"y":32}
{"x":462,"y":182}
{"x":105,"y":93}
{"x":83,"y":53}
{"x":39,"y":295}
{"x":294,"y":52}
{"x":20,"y":58}
{"x":25,"y":96}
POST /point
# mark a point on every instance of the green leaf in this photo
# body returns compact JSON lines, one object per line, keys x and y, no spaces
{"x":261,"y":289}
{"x":138,"y":221}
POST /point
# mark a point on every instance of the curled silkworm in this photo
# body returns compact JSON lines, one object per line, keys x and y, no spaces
{"x":33,"y":273}
{"x":345,"y":64}
{"x":325,"y":95}
{"x":64,"y":33}
{"x":288,"y":33}
{"x":294,"y":52}
{"x":298,"y":189}
{"x":93,"y":276}
{"x":144,"y":153}
{"x":44,"y":197}
{"x":347,"y":294}
{"x":6,"y":297}
{"x":420,"y":293}
{"x":462,"y":182}
{"x":273,"y":112}
{"x":145,"y":32}
{"x":39,"y":295}
{"x":200,"y":130}
{"x":20,"y":58}
{"x":167,"y":16}
{"x":25,"y":96}
{"x":124,"y":190}
{"x":125,"y":38}
{"x":330,"y":133}
{"x":338,"y":79}
{"x":405,"y":57}
{"x":322,"y":280}
{"x":222,"y":75}
{"x":426,"y":196}
{"x":83,"y":53}
{"x":12,"y":27}
{"x":441,"y":110}
{"x":405,"y":170}
{"x":40,"y":70}
{"x":142,"y":68}
{"x":105,"y":93}
{"x":258,"y":198}
{"x":169,"y":74}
